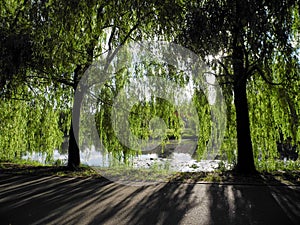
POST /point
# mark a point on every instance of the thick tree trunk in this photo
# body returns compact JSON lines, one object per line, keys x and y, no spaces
{"x":245,"y":160}
{"x":74,"y":151}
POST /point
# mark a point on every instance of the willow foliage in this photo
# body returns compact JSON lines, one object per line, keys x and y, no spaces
{"x":27,"y":127}
{"x":47,"y":45}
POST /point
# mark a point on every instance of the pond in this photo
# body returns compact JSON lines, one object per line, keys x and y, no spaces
{"x":176,"y":156}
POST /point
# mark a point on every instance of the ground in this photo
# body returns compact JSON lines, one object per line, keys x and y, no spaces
{"x":37,"y":196}
{"x":285,"y":177}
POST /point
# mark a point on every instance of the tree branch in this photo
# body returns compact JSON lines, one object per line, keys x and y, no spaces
{"x":224,"y":67}
{"x":262,"y":74}
{"x":111,"y":37}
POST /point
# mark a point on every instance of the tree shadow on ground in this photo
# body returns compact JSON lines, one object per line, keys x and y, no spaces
{"x":54,"y":200}
{"x":259,"y":203}
{"x":163,"y":204}
{"x":26,"y":199}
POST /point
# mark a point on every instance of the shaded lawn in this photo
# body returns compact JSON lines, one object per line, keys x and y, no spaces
{"x":286,"y":177}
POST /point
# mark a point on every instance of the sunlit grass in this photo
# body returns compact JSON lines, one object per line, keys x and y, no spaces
{"x":278,"y":165}
{"x":21,"y":162}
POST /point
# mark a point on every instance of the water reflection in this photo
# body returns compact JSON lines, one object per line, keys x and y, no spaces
{"x":181,"y":162}
{"x":175,"y":161}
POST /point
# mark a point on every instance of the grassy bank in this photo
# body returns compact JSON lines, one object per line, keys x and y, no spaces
{"x":273,"y":178}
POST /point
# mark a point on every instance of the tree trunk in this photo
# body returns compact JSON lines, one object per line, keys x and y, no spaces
{"x":245,"y":160}
{"x":73,"y":151}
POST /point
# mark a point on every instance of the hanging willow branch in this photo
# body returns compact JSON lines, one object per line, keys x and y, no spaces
{"x":262,"y":74}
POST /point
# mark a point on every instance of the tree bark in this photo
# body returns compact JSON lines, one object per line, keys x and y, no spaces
{"x":245,"y":160}
{"x":74,"y":151}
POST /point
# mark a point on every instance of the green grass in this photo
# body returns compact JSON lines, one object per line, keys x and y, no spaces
{"x":33,"y":168}
{"x":278,"y":165}
{"x":122,"y":173}
{"x":156,"y":172}
{"x":21,"y":162}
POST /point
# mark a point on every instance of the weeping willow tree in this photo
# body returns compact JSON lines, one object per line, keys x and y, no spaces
{"x":252,"y":42}
{"x":77,"y":33}
{"x":58,"y":41}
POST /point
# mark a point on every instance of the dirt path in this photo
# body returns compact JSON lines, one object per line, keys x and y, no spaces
{"x":26,"y":199}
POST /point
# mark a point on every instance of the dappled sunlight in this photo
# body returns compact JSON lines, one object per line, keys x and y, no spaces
{"x":253,"y":204}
